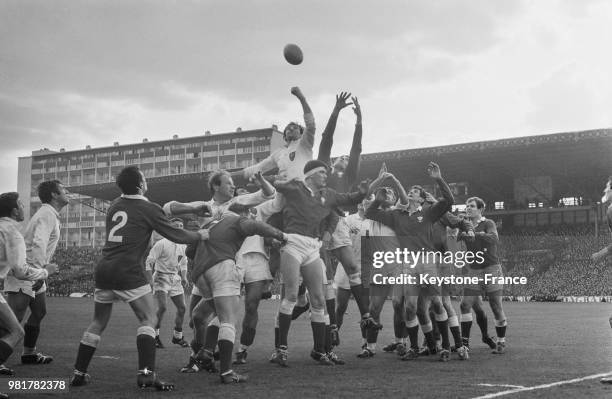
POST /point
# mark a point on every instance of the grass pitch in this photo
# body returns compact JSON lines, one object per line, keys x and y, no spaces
{"x":547,"y":343}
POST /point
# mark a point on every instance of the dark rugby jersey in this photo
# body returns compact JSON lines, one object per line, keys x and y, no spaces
{"x":345,"y":182}
{"x":440,"y":235}
{"x":486,"y":241}
{"x":225,"y":239}
{"x":304,"y":210}
{"x":129,"y":223}
{"x":414,"y":231}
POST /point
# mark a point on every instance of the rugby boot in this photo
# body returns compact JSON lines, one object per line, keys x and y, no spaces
{"x":321,"y":358}
{"x":233,"y":377}
{"x":148,"y":379}
{"x":36,"y":358}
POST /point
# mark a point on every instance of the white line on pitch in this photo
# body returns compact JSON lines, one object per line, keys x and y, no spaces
{"x":543,"y":386}
{"x":107,"y":357}
{"x":501,"y":385}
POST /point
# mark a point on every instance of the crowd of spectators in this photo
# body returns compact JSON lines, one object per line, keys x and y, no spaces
{"x":557,"y":264}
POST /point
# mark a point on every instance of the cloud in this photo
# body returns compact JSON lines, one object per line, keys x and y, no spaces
{"x":427,"y":72}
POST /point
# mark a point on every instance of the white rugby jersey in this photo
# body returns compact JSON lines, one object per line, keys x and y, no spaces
{"x":167,"y":257}
{"x":13,"y":253}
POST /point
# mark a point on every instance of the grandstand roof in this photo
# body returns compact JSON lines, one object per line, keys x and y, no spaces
{"x":577,"y":162}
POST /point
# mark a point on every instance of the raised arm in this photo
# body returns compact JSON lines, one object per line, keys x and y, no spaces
{"x":267,"y":189}
{"x":327,"y":138}
{"x":342,"y":199}
{"x":266,"y":165}
{"x":175,"y":208}
{"x":307,"y":139}
{"x":352,"y":169}
{"x":444,"y":205}
{"x":401,"y":192}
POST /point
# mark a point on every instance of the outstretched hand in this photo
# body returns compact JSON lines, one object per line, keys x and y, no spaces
{"x":297,"y":92}
{"x":434,"y":170}
{"x":341,"y":100}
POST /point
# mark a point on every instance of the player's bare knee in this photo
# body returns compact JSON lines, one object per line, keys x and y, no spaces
{"x":411,"y":311}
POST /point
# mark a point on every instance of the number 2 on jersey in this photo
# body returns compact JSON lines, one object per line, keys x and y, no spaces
{"x":122,"y":217}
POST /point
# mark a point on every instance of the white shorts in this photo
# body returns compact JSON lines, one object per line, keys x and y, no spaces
{"x":303,"y":248}
{"x":195,"y":291}
{"x":255,"y":267}
{"x":341,"y":279}
{"x":342,"y":235}
{"x":223,"y":279}
{"x":170,"y":283}
{"x":110,"y":296}
{"x":13,"y":284}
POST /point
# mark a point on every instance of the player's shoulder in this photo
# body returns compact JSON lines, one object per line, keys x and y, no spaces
{"x":488,"y":222}
{"x":134,"y":204}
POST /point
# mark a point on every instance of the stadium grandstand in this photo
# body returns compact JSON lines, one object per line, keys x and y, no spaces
{"x":542,"y":191}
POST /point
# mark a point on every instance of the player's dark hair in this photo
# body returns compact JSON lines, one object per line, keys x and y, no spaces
{"x":215,"y":179}
{"x":8,"y":202}
{"x":480,"y":204}
{"x":46,"y":189}
{"x":289,"y":124}
{"x":422,"y":191}
{"x":129,"y":180}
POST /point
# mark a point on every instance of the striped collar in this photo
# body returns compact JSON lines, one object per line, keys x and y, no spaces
{"x":134,"y":196}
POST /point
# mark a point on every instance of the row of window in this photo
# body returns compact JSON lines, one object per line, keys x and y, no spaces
{"x":104,"y":177}
{"x":187,"y":147}
{"x":162,"y":158}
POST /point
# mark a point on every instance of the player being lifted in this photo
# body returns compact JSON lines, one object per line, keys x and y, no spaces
{"x":120,"y":274}
{"x":289,"y":160}
{"x":13,"y":260}
{"x":168,"y":264}
{"x":413,"y":226}
{"x":485,"y":241}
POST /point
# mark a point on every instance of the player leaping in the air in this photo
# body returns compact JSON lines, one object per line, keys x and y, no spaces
{"x":120,"y":274}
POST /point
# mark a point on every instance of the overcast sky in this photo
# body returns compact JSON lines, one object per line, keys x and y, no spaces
{"x":77,"y":73}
